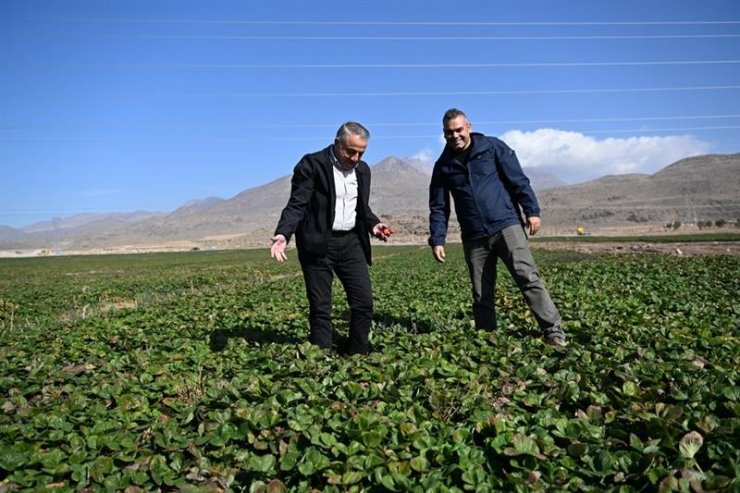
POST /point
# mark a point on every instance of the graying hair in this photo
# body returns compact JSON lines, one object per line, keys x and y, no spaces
{"x":452,"y":113}
{"x":353,"y":128}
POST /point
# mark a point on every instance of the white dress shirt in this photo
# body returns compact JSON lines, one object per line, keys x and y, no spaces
{"x":345,"y":207}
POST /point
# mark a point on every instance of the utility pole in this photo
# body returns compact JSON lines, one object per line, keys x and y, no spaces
{"x":691,"y":217}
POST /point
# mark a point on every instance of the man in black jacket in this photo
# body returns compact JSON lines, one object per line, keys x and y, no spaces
{"x":486,"y":181}
{"x":329,"y":213}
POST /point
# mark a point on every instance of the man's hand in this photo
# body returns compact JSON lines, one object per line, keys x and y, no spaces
{"x":277,"y":251}
{"x":534,"y":225}
{"x":439,"y":253}
{"x":381,"y":231}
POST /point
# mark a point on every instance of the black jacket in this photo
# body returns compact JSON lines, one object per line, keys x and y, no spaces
{"x":310,"y":209}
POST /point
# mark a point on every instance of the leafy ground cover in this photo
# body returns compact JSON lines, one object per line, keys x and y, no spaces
{"x":190,"y":372}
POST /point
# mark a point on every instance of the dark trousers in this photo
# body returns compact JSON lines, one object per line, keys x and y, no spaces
{"x":345,"y":258}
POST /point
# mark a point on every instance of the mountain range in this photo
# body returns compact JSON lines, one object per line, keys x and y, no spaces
{"x":694,"y":189}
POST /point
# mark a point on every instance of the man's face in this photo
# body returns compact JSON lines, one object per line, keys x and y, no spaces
{"x":349,"y":150}
{"x":457,"y":133}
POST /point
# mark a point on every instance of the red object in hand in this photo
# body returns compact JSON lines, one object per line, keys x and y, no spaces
{"x":387,"y":231}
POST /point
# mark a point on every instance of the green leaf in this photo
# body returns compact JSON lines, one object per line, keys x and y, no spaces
{"x":385,"y":478}
{"x":732,"y":392}
{"x":708,"y":423}
{"x":52,"y":458}
{"x":352,"y":477}
{"x":261,"y":463}
{"x":474,"y":475}
{"x":371,"y":461}
{"x":313,"y":461}
{"x":327,"y":440}
{"x":160,"y":471}
{"x":114,"y":482}
{"x":12,"y":458}
{"x":101,"y":468}
{"x":577,"y":449}
{"x":371,"y":439}
{"x":355,"y":448}
{"x":419,"y":463}
{"x":523,"y":445}
{"x":629,"y":388}
{"x":408,"y":428}
{"x":290,"y":459}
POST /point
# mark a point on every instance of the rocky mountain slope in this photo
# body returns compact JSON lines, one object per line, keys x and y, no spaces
{"x":694,"y":189}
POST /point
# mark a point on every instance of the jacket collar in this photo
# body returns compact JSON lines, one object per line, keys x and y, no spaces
{"x":479,"y":143}
{"x":329,"y":159}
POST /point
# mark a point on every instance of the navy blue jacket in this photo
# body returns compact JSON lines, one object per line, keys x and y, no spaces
{"x":487,"y":192}
{"x":310,"y":209}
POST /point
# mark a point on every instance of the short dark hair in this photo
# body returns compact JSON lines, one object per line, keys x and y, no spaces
{"x":353,"y":128}
{"x":453,"y":113}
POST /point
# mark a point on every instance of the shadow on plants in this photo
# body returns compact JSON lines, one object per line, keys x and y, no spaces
{"x":220,"y":337}
{"x":411,"y":325}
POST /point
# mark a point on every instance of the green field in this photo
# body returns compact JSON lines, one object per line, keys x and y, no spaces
{"x":190,"y":371}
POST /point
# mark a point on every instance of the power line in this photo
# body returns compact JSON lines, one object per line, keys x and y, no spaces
{"x":394,"y":124}
{"x":671,"y":129}
{"x":394,"y":23}
{"x":57,"y":211}
{"x":421,"y":94}
{"x":584,"y":132}
{"x":621,"y":119}
{"x":284,"y":139}
{"x":398,"y":65}
{"x":407,"y":38}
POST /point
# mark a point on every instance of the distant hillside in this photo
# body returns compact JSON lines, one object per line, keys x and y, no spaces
{"x":80,"y":220}
{"x":9,"y":234}
{"x":399,"y":187}
{"x":690,"y":190}
{"x":542,"y":181}
{"x":694,"y":189}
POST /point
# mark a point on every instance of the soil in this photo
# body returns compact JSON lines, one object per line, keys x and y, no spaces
{"x":262,"y":241}
{"x":672,"y":248}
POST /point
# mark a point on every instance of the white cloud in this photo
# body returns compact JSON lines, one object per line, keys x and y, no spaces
{"x":424,"y":156}
{"x":575,"y":157}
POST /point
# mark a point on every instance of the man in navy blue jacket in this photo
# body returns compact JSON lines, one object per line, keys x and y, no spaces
{"x":329,"y":214}
{"x":486,"y":181}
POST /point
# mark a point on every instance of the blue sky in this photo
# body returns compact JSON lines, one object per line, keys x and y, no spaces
{"x":119,"y":106}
